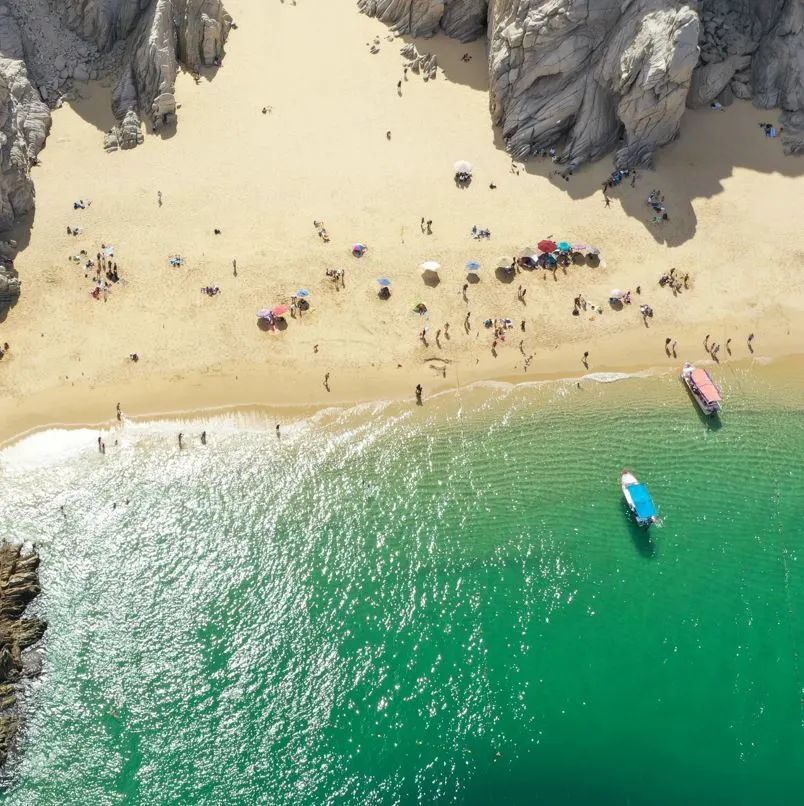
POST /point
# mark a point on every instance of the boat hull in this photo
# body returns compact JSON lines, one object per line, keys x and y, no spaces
{"x":638,"y":499}
{"x":710,"y":404}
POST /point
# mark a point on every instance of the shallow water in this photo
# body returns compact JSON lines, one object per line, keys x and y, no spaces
{"x":396,"y":604}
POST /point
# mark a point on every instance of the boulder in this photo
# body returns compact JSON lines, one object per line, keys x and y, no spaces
{"x":81,"y":73}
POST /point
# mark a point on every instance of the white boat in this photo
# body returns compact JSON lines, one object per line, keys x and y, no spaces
{"x":702,"y":388}
{"x":638,"y":499}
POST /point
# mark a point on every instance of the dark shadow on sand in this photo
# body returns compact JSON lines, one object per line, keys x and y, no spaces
{"x":448,"y":52}
{"x":431,"y":279}
{"x":710,"y":147}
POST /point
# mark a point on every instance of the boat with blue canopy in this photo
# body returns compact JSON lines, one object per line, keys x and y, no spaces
{"x":638,"y":499}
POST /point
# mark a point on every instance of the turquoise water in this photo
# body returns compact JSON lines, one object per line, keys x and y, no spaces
{"x":403,"y":605}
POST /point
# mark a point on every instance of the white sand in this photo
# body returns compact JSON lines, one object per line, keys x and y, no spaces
{"x":322,"y":153}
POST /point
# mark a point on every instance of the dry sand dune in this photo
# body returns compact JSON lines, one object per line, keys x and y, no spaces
{"x":322,"y":153}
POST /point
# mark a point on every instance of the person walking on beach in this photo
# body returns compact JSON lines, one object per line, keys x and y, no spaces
{"x":430,"y":227}
{"x":203,"y":437}
{"x":234,"y":266}
{"x":419,"y":393}
{"x":99,"y":444}
{"x":180,"y":438}
{"x":119,"y":414}
{"x":585,"y":360}
{"x":277,"y":430}
{"x":159,"y":197}
{"x":607,"y":200}
{"x":326,"y":381}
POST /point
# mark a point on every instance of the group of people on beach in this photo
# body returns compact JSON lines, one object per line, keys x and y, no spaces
{"x":674,"y":281}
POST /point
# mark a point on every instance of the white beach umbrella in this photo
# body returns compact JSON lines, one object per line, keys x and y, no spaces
{"x":615,"y":293}
{"x":463,"y":167}
{"x":430,"y":265}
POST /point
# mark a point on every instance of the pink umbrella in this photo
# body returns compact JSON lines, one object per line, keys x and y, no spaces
{"x":280,"y":310}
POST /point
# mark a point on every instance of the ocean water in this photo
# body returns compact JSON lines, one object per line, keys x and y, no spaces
{"x":448,"y":604}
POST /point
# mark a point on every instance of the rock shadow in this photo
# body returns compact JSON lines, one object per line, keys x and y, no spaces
{"x":92,"y":101}
{"x":710,"y":147}
{"x":449,"y":52}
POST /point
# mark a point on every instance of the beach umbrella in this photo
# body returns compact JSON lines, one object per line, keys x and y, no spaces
{"x":264,"y":313}
{"x":579,"y":247}
{"x":473,"y":265}
{"x":564,"y":246}
{"x":463,"y":167}
{"x":430,"y":265}
{"x":547,"y":246}
{"x":280,"y":310}
{"x":615,"y":293}
{"x":302,"y":292}
{"x":529,"y":253}
{"x":384,"y":282}
{"x":592,"y":250}
{"x":505,"y":262}
{"x":358,"y":249}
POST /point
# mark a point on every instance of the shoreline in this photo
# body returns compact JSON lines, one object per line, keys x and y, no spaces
{"x":244,"y":224}
{"x":85,"y":409}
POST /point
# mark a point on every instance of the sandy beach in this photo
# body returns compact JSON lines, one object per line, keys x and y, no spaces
{"x":321,"y":152}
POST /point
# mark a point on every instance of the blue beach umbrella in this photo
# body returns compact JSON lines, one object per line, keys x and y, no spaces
{"x":384,"y":282}
{"x":302,"y":292}
{"x":564,"y":246}
{"x":473,"y":265}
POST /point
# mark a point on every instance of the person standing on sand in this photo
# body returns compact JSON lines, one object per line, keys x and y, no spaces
{"x":585,"y":360}
{"x":180,"y":438}
{"x":159,"y":197}
{"x":418,"y":393}
{"x":277,"y":430}
{"x":100,"y":442}
{"x":234,"y":266}
{"x":203,"y":437}
{"x":119,"y":414}
{"x":326,"y":381}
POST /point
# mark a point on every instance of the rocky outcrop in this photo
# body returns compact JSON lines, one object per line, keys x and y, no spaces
{"x":159,"y":36}
{"x":604,"y":76}
{"x":9,"y":285}
{"x":47,"y":45}
{"x":19,"y":585}
{"x":599,"y":75}
{"x":24,"y":124}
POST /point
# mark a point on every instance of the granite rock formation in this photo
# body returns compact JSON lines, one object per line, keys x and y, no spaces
{"x":24,"y":124}
{"x":602,"y":75}
{"x":46,"y":46}
{"x":19,"y":585}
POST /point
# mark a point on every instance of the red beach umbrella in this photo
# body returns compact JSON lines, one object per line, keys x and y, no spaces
{"x":547,"y":246}
{"x":280,"y":310}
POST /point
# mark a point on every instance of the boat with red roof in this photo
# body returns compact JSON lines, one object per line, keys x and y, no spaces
{"x":702,"y":388}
